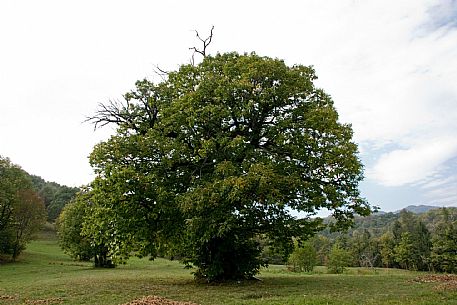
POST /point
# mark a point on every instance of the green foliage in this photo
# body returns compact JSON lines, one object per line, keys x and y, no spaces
{"x":364,"y":249}
{"x":412,"y":242}
{"x":376,"y":223}
{"x":269,"y":254}
{"x":401,"y":240}
{"x":435,"y":217}
{"x":322,"y":244}
{"x":124,"y":221}
{"x":217,"y":155}
{"x":338,"y":259}
{"x":6,"y":243}
{"x":387,"y":246}
{"x":22,"y":211}
{"x":28,"y":218}
{"x":405,"y":253}
{"x":444,"y":251}
{"x":55,"y":196}
{"x":303,"y":258}
{"x":69,"y":229}
{"x":12,"y":180}
{"x":81,"y":237}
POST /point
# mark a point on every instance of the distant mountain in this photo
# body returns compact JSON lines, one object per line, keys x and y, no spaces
{"x":379,"y":212}
{"x":416,"y":209}
{"x":380,"y":222}
{"x":419,"y":209}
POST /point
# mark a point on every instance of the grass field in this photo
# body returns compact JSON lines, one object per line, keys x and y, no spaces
{"x":44,"y":275}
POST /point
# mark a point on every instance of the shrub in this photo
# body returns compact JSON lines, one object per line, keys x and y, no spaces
{"x":338,"y":259}
{"x":303,"y":258}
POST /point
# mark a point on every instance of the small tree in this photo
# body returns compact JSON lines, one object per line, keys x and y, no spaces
{"x":12,"y":181}
{"x":69,"y":229}
{"x":303,"y":258}
{"x":444,"y":250}
{"x":405,"y":252}
{"x":29,"y":216}
{"x":364,"y":249}
{"x":322,"y":245}
{"x":73,"y":233}
{"x":387,"y":246}
{"x":412,"y":242}
{"x":21,"y":211}
{"x":339,"y":258}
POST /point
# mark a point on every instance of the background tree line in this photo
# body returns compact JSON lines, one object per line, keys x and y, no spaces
{"x":425,"y":241}
{"x":26,"y":203}
{"x":55,"y":196}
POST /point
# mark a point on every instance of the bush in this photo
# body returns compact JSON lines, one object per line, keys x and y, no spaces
{"x":69,"y":229}
{"x":443,"y":257}
{"x":303,"y":258}
{"x":338,"y":259}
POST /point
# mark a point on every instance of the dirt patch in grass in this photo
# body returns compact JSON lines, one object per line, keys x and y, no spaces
{"x":8,"y":297}
{"x":155,"y":300}
{"x":255,"y":295}
{"x":44,"y":301}
{"x":444,"y":281}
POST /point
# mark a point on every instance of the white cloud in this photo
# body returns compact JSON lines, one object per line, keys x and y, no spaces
{"x":403,"y":166}
{"x":442,"y":14}
{"x":438,"y":181}
{"x":443,"y":195}
{"x":404,"y":93}
{"x":400,"y":93}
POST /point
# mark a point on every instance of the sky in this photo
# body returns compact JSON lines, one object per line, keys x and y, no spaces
{"x":390,"y":67}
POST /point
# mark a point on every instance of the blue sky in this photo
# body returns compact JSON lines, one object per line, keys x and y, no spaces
{"x":390,"y":66}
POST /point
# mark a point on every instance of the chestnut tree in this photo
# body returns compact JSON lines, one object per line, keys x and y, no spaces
{"x":220,"y":153}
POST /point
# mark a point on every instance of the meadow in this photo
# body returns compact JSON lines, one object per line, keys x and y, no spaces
{"x":45,"y":275}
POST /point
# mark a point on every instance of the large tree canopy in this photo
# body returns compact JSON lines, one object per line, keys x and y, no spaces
{"x":219,"y":154}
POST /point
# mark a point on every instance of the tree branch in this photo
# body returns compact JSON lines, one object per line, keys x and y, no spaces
{"x":113,"y":112}
{"x":163,"y":74}
{"x":205,"y":42}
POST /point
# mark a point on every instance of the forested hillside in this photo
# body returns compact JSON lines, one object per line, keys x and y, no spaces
{"x":431,"y":217}
{"x":55,"y":196}
{"x":26,"y":202}
{"x":414,"y":241}
{"x":378,"y":223}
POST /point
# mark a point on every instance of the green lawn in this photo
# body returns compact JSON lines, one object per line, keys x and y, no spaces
{"x":44,"y":275}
